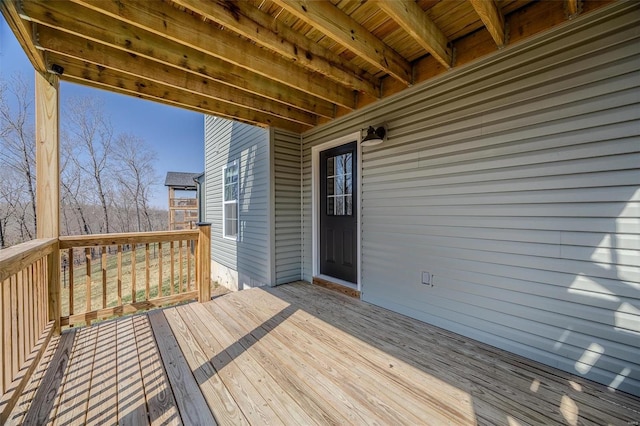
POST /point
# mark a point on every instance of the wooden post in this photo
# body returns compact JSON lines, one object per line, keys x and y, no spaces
{"x":48,"y":181}
{"x":204,"y":262}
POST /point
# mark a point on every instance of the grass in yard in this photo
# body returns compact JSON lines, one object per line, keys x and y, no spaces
{"x":157,"y":257}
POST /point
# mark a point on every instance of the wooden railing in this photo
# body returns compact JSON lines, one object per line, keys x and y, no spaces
{"x":103,"y":276}
{"x":69,"y":281}
{"x":183,"y":202}
{"x":28,"y":313}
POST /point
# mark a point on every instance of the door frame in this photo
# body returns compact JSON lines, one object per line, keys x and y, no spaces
{"x":315,"y":204}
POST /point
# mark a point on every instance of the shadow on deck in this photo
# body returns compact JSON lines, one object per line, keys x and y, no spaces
{"x":299,"y":354}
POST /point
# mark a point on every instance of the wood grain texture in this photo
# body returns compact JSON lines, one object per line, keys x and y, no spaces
{"x":204,"y":263}
{"x":161,"y":404}
{"x":223,"y":405}
{"x":129,"y":308}
{"x":331,"y":21}
{"x":102,"y":405}
{"x":301,"y":354}
{"x":191,"y":403}
{"x":260,"y":27}
{"x":132,"y":407}
{"x":492,"y":18}
{"x":48,"y":391}
{"x":72,"y":407}
{"x":47,"y":156}
{"x":126,"y":238}
{"x":418,"y":25}
{"x":170,"y":23}
{"x":15,"y":258}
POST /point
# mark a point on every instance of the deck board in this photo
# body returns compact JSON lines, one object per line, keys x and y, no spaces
{"x":285,"y":406}
{"x":190,"y":401}
{"x":161,"y":404}
{"x":132,"y":406}
{"x":47,"y":394}
{"x":226,"y":410}
{"x":26,"y":399}
{"x":75,"y":391}
{"x":102,"y":406}
{"x":299,"y":354}
{"x":394,"y":405}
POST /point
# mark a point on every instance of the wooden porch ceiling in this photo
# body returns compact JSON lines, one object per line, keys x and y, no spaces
{"x":291,"y":64}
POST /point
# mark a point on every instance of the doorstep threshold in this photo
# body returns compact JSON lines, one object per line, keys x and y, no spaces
{"x":336,"y":284}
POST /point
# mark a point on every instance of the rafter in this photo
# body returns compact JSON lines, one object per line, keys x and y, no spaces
{"x":573,"y":8}
{"x":420,"y":27}
{"x":23,"y":32}
{"x":89,"y":74}
{"x":96,"y":53}
{"x":137,"y":42}
{"x":166,"y":21}
{"x":492,"y":18}
{"x":335,"y":24}
{"x":250,"y":22}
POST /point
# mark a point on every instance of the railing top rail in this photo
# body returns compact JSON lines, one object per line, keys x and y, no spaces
{"x":18,"y":257}
{"x":127,"y":238}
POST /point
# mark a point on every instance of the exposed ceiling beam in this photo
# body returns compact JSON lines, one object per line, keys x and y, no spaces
{"x":23,"y":33}
{"x":492,"y":18}
{"x":573,"y":8}
{"x":250,"y":22}
{"x":96,"y":53}
{"x":89,"y":74}
{"x":335,"y":24}
{"x":166,"y":21}
{"x":137,"y":42}
{"x":420,"y":27}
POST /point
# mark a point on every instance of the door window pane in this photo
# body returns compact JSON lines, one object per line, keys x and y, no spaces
{"x":340,"y":185}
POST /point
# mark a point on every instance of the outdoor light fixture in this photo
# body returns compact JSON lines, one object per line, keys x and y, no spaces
{"x":56,"y":69}
{"x":374,"y":136}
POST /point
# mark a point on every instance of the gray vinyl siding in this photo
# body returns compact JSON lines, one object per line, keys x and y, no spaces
{"x":515,"y":181}
{"x":287,"y":216}
{"x":226,"y":141}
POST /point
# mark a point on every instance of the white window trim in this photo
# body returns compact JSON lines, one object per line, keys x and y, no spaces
{"x":236,"y":201}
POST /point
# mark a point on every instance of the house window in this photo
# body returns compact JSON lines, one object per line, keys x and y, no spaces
{"x":340,"y":185}
{"x":230,"y":200}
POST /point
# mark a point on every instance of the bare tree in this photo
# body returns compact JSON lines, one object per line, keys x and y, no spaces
{"x":72,"y":192}
{"x":17,"y":145}
{"x":91,"y":133}
{"x":136,"y":175}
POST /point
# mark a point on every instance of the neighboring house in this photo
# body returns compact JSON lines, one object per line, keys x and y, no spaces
{"x":502,"y":206}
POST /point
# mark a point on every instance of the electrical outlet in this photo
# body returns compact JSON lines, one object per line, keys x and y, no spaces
{"x":426,"y":278}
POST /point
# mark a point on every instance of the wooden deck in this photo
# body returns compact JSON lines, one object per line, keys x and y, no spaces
{"x":298,"y":354}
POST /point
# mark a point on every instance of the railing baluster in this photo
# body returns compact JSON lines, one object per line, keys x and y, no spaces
{"x":20,"y":317}
{"x":180,"y":274}
{"x":28,"y":297}
{"x":159,"y":269}
{"x":71,"y":268}
{"x":103,"y":264}
{"x":119,"y":274}
{"x":133,"y":273}
{"x":146,"y":268}
{"x":6,"y":332}
{"x":172,"y":283}
{"x":4,"y":343}
{"x":14,"y":326}
{"x":189,"y":245}
{"x":87,"y":256}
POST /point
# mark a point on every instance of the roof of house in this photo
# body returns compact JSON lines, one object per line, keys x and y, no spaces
{"x":181,"y":179}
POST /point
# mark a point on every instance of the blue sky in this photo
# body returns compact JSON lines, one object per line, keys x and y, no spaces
{"x":177,"y":135}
